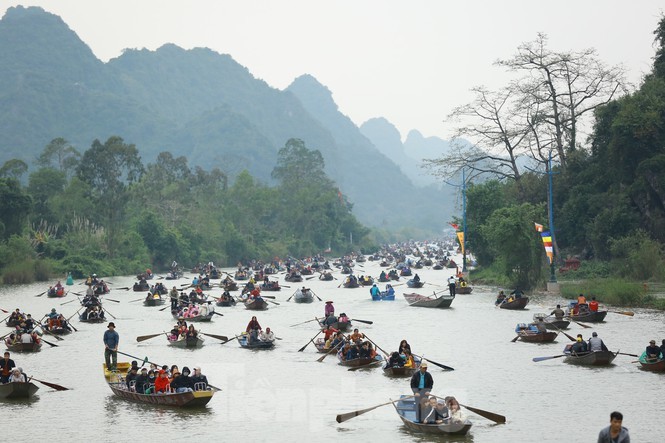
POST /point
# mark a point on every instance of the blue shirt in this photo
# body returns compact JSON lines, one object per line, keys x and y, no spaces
{"x":421,"y":384}
{"x":111,"y":339}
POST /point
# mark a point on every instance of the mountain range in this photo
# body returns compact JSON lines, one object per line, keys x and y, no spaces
{"x":205,"y":106}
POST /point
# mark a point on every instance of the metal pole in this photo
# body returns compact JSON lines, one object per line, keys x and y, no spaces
{"x":551,"y":214}
{"x":464,"y":221}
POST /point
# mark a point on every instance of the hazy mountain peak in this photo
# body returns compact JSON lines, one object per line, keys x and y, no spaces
{"x":308,"y":88}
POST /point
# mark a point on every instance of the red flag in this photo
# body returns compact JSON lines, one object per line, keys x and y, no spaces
{"x":454,"y":225}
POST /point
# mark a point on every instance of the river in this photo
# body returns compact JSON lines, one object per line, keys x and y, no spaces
{"x":285,"y":395}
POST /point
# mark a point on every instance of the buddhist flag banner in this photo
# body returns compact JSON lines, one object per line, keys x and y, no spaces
{"x":460,"y":237}
{"x":547,"y":242}
{"x":539,"y":227}
{"x":454,"y":225}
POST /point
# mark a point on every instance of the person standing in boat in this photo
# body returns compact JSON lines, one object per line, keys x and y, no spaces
{"x":596,"y":344}
{"x":451,"y":285}
{"x":375,"y":291}
{"x":111,"y":340}
{"x":421,"y":385}
{"x":329,"y":309}
{"x":615,"y":432}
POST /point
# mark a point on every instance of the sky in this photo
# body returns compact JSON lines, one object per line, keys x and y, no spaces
{"x":411,"y":62}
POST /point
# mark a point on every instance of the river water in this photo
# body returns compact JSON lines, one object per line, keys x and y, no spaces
{"x":284,"y":395}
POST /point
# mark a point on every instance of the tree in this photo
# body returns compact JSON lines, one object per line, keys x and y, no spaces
{"x":298,"y":166}
{"x":14,"y":207}
{"x":59,"y":155}
{"x":14,"y":168}
{"x":109,"y":169}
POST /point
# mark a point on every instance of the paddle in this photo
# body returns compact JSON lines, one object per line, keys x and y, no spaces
{"x":298,"y":324}
{"x":368,"y":365}
{"x":138,"y":299}
{"x":571,"y":338}
{"x":286,"y":286}
{"x":231,"y":339}
{"x":537,"y":359}
{"x":39,"y":295}
{"x":442,"y":366}
{"x":379,"y":347}
{"x":273,"y":302}
{"x":349,"y":415}
{"x":62,"y":304}
{"x":223,"y":338}
{"x":291,"y":296}
{"x":581,"y":324}
{"x":6,"y":312}
{"x":51,"y":385}
{"x":112,"y":316}
{"x":74,"y":314}
{"x":310,"y":341}
{"x":309,"y":278}
{"x":141,"y":338}
{"x":316,"y":295}
{"x":49,"y":343}
{"x":630,"y":355}
{"x":630,"y":313}
{"x":496,"y":418}
{"x":125,"y":288}
{"x":320,"y":359}
{"x":268,"y":296}
{"x":217,"y":313}
{"x":49,"y":332}
{"x":114,"y":301}
{"x":363,"y":321}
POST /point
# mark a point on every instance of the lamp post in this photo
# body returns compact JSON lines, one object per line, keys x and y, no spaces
{"x":464,"y":221}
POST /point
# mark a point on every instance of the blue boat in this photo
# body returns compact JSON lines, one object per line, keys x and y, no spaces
{"x":388,"y":294}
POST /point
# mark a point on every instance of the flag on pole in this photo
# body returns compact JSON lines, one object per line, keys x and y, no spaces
{"x":539,"y":227}
{"x":547,"y":242}
{"x":460,"y":237}
{"x":454,"y":225}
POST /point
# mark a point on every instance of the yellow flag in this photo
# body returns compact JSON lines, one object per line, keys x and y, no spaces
{"x":460,"y":237}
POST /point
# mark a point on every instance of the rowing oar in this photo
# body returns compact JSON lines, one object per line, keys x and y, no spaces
{"x":309,"y":278}
{"x":231,"y":339}
{"x":297,"y":324}
{"x":39,"y":295}
{"x":307,"y":344}
{"x":316,"y":295}
{"x":581,"y":324}
{"x":268,"y":296}
{"x":349,"y":415}
{"x":442,"y":366}
{"x":113,"y":316}
{"x":537,"y":359}
{"x":285,"y":286}
{"x":379,"y":347}
{"x":217,"y":313}
{"x":223,"y":338}
{"x":496,"y":418}
{"x":51,"y":385}
{"x":368,"y":365}
{"x":49,"y":343}
{"x":138,"y":299}
{"x":110,"y":299}
{"x":630,"y":313}
{"x":630,"y":355}
{"x":320,"y":359}
{"x":570,"y":337}
{"x":141,"y":338}
{"x":62,"y":304}
{"x":6,"y":312}
{"x":49,"y":332}
{"x":292,"y":297}
{"x":273,"y":302}
{"x":126,"y":288}
{"x":363,"y":321}
{"x":74,"y":314}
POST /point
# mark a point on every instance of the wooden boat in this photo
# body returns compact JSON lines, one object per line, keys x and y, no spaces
{"x":24,"y":347}
{"x":256,"y":304}
{"x":422,"y":301}
{"x":180,"y":400}
{"x":351,"y":283}
{"x":12,"y":323}
{"x":463,"y":289}
{"x":154,"y":300}
{"x":594,"y":358}
{"x":556,"y":324}
{"x":344,"y":326}
{"x":653,"y":366}
{"x":56,"y":293}
{"x":89,"y":316}
{"x":294,"y":277}
{"x":272,"y":286}
{"x":399,"y":371}
{"x":230,"y":286}
{"x":198,"y":318}
{"x":590,"y":317}
{"x":173,"y":275}
{"x":229,"y":301}
{"x":303,"y":297}
{"x":517,"y":303}
{"x":138,"y":287}
{"x":215,"y":274}
{"x":183,"y":342}
{"x":406,"y":409}
{"x":366,"y":281}
{"x":241,"y":275}
{"x":411,"y":283}
{"x":18,"y":389}
{"x":244,"y":342}
{"x":359,"y":362}
{"x":122,"y":370}
{"x":530,"y":336}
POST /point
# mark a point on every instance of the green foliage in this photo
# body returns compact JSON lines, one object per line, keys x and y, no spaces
{"x":15,"y":206}
{"x":613,"y":291}
{"x":638,"y":256}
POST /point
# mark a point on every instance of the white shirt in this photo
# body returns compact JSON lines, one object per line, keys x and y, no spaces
{"x":267,"y":336}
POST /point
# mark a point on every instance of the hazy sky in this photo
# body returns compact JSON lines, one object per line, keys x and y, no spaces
{"x":409,"y":61}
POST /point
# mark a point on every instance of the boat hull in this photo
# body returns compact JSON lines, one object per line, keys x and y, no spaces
{"x":656,"y":366}
{"x":258,"y":345}
{"x":194,"y":399}
{"x":591,"y":317}
{"x":595,"y":358}
{"x":184,"y":343}
{"x":518,"y":303}
{"x":18,"y":390}
{"x":406,"y":409}
{"x":423,"y":301}
{"x":537,"y":337}
{"x":256,"y":305}
{"x":24,"y":347}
